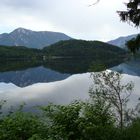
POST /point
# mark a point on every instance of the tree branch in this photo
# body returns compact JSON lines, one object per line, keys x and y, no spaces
{"x":94,"y":3}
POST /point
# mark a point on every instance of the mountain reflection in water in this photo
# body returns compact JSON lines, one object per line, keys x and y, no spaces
{"x":75,"y":87}
{"x":25,"y":73}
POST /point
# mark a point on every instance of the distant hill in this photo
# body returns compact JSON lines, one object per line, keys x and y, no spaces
{"x":31,"y":39}
{"x":99,"y":51}
{"x":120,"y":42}
{"x":19,"y":52}
{"x":101,"y":54}
{"x":81,"y":48}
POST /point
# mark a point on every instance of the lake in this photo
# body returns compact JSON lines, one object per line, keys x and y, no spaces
{"x":57,"y":81}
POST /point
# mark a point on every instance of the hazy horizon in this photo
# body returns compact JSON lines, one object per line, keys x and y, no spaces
{"x":74,"y":18}
{"x":67,"y":34}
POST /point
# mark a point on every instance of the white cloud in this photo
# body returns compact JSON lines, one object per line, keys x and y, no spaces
{"x":74,"y":18}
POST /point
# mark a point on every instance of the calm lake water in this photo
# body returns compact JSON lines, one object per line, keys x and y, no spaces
{"x":56,"y":82}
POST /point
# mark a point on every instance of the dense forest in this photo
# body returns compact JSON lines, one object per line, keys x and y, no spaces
{"x":65,"y":49}
{"x":81,"y":48}
{"x":18,"y":52}
{"x":90,"y":56}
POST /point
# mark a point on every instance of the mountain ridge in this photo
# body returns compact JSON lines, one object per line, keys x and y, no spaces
{"x":120,"y":41}
{"x":31,"y":39}
{"x":84,"y":49}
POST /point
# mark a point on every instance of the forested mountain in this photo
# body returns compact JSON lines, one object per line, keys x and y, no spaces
{"x":81,"y":48}
{"x":19,"y":52}
{"x":97,"y":50}
{"x":31,"y":39}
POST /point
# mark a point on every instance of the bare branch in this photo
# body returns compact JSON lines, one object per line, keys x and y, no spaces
{"x":94,"y":3}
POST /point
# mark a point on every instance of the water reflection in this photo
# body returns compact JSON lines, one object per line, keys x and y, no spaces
{"x":25,"y":73}
{"x":59,"y":92}
{"x":130,"y":67}
{"x":30,"y":76}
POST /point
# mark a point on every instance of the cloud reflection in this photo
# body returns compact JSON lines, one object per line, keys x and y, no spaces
{"x":61,"y":92}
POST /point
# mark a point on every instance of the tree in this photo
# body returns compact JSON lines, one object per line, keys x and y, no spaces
{"x":132,"y":15}
{"x":79,"y":121}
{"x":131,"y":45}
{"x":107,"y":85}
{"x":19,"y":126}
{"x":2,"y":102}
{"x":134,"y":44}
{"x":63,"y":121}
{"x":94,"y":3}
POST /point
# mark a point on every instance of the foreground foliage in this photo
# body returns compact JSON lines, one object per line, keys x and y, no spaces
{"x":94,"y":119}
{"x":109,"y":88}
{"x":132,"y":14}
{"x":77,"y":121}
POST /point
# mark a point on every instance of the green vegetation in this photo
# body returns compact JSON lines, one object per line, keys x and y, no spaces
{"x":108,"y":88}
{"x":18,"y":65}
{"x":69,"y":65}
{"x":79,"y":65}
{"x":99,"y":118}
{"x":18,"y":53}
{"x":94,"y":55}
{"x":64,"y":49}
{"x":18,"y":126}
{"x":133,"y":45}
{"x":72,"y":56}
{"x":132,"y":14}
{"x":81,"y":48}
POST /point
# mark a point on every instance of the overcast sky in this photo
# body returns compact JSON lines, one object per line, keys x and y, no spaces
{"x":73,"y":17}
